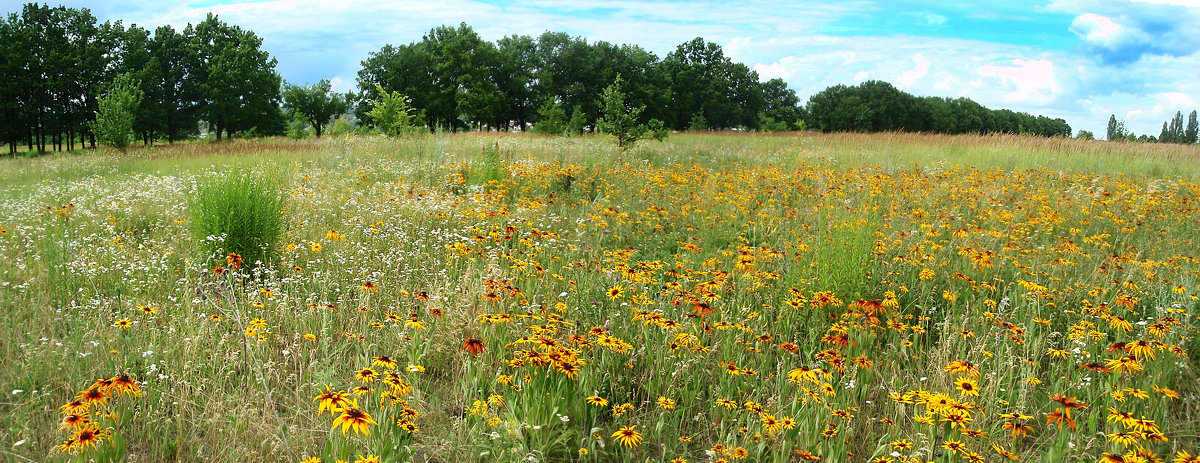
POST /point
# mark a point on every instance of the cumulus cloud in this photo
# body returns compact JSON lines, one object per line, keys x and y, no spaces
{"x":1030,"y":82}
{"x":911,"y":76}
{"x":1119,"y":33}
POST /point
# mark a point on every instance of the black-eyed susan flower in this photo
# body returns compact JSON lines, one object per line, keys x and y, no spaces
{"x":353,"y":418}
{"x":628,"y":437}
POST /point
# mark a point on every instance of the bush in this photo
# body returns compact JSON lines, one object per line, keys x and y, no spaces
{"x":237,"y":213}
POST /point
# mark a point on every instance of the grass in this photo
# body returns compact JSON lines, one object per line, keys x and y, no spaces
{"x":237,"y":218}
{"x":716,"y":296}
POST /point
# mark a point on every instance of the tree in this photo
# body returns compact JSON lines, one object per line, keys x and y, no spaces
{"x":1085,"y":135}
{"x":174,"y":93}
{"x":705,"y":81}
{"x":621,"y":121}
{"x":1116,"y":129}
{"x":1177,"y":134}
{"x":1189,"y":135}
{"x":317,"y":103}
{"x":114,"y":120}
{"x":464,"y":66}
{"x":392,"y":114}
{"x":781,"y":105}
{"x":514,"y":80}
{"x":552,"y":119}
{"x":407,"y":69}
{"x":1165,"y":135}
{"x":239,"y":87}
{"x":578,"y":122}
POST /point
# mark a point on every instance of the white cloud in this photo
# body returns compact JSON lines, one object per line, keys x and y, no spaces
{"x":911,"y":76}
{"x":1097,"y":29}
{"x":861,"y":76}
{"x":341,"y":85}
{"x":1030,"y":82}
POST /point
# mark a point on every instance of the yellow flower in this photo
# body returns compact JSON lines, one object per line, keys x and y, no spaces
{"x":353,"y":418}
{"x":628,"y":437}
{"x":597,"y":401}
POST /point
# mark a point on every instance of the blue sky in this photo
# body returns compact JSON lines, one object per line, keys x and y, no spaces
{"x":1079,"y":60}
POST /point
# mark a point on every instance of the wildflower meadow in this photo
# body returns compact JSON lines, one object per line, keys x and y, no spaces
{"x":514,"y":297}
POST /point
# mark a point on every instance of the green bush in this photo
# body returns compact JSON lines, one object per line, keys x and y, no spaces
{"x":237,"y":213}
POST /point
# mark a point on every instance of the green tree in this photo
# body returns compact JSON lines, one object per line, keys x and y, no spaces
{"x":174,"y":93}
{"x":780,"y":105}
{"x":407,"y":69}
{"x":705,"y":81}
{"x":1175,"y":131}
{"x":392,"y":114}
{"x":1085,"y":135}
{"x":621,"y":121}
{"x":239,"y":87}
{"x":317,"y":104}
{"x":577,"y":123}
{"x":464,"y":69}
{"x":1116,"y":129}
{"x":1189,"y":134}
{"x":514,"y":80}
{"x":552,"y":119}
{"x":115,"y":118}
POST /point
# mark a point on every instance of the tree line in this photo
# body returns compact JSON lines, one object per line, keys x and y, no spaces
{"x":59,"y":62}
{"x":68,"y":75}
{"x":457,"y":80}
{"x":1173,"y":130}
{"x":875,"y":106}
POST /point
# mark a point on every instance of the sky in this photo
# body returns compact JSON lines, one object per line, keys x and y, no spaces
{"x":1078,"y":60}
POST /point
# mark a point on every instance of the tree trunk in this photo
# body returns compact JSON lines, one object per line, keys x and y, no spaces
{"x":318,"y":127}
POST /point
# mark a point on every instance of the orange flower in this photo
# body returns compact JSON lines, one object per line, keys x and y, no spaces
{"x":473,"y":346}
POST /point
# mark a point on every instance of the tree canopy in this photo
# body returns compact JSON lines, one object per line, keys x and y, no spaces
{"x":58,"y":61}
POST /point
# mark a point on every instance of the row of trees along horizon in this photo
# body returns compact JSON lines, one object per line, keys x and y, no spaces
{"x":62,"y":67}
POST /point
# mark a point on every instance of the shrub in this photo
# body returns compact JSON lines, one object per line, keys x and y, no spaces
{"x":238,"y":212}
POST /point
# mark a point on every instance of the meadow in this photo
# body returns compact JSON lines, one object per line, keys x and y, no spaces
{"x":512,"y":297}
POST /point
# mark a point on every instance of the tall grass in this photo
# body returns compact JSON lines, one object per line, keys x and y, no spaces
{"x":240,"y":213}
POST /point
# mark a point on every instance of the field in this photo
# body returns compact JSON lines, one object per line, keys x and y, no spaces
{"x":500,"y":298}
